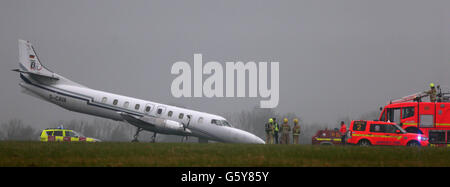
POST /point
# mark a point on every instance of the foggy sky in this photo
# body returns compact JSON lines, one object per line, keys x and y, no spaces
{"x":337,"y":58}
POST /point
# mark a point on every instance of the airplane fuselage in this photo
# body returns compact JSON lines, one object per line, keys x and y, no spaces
{"x":108,"y":105}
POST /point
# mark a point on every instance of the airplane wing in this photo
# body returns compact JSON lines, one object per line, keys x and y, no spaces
{"x":155,"y":124}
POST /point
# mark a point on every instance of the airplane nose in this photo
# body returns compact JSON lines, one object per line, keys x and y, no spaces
{"x":257,"y":140}
{"x":246,"y":137}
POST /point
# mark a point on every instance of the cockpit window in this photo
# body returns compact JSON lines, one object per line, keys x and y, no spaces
{"x":216,"y":122}
{"x":225,"y":123}
{"x":220,"y":122}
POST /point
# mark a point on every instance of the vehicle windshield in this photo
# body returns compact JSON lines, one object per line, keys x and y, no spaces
{"x":77,"y":134}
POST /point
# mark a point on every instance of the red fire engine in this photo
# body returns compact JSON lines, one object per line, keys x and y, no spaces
{"x":415,"y":116}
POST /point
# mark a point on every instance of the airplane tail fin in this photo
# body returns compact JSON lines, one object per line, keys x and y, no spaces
{"x":29,"y":62}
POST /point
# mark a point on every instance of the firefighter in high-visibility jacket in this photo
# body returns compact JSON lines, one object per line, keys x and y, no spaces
{"x":276,"y":128}
{"x":432,"y":93}
{"x":295,"y":131}
{"x":269,"y":131}
{"x":285,"y":129}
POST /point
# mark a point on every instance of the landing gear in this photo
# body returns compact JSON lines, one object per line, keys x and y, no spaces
{"x":184,"y":139}
{"x":135,"y":137}
{"x":138,"y":130}
{"x":154,"y":137}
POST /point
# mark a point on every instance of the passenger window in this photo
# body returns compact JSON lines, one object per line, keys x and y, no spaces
{"x":137,"y":107}
{"x":377,"y":128}
{"x":323,"y":134}
{"x":49,"y":133}
{"x":115,"y":102}
{"x":104,"y":99}
{"x":170,"y":113}
{"x":125,"y":105}
{"x":159,"y":110}
{"x":58,"y":133}
{"x":181,"y":116}
{"x":390,"y":129}
{"x":407,"y":112}
{"x":70,"y":134}
{"x":359,"y":126}
{"x":147,"y":109}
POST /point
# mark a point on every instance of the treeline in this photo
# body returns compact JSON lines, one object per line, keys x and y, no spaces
{"x":108,"y":130}
{"x":103,"y":129}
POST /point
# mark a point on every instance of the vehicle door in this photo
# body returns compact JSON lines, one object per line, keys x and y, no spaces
{"x":66,"y":138}
{"x":377,"y":134}
{"x":69,"y":136}
{"x":358,"y":131}
{"x":409,"y":117}
{"x":58,"y":134}
{"x":50,"y":137}
{"x":427,"y":113}
{"x":393,"y":135}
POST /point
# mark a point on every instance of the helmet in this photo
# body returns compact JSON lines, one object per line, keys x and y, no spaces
{"x":295,"y":120}
{"x":431,"y":85}
{"x":270,"y":120}
{"x":285,"y":120}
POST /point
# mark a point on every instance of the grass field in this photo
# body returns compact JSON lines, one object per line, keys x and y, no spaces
{"x":194,"y":154}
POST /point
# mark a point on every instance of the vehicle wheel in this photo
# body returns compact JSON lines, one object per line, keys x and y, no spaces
{"x":413,"y":144}
{"x":364,"y":143}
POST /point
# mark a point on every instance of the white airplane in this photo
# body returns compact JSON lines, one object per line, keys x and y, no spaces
{"x":40,"y":82}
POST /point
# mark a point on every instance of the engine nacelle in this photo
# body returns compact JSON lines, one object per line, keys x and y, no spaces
{"x":164,"y":123}
{"x":159,"y":123}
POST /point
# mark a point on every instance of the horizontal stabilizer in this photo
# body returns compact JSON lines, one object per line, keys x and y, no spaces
{"x":38,"y":76}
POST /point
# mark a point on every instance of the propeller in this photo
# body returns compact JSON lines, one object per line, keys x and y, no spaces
{"x":186,"y":126}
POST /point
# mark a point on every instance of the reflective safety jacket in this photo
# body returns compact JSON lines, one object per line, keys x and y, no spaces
{"x":285,"y":128}
{"x":296,"y":130}
{"x":276,"y":127}
{"x":269,"y":127}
